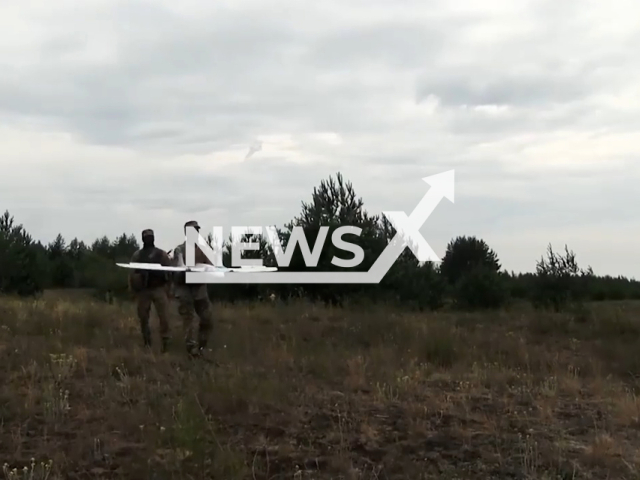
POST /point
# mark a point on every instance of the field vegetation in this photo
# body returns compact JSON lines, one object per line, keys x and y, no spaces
{"x":310,"y":391}
{"x":449,"y":371}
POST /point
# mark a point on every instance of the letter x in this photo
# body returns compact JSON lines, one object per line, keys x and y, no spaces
{"x":409,"y":227}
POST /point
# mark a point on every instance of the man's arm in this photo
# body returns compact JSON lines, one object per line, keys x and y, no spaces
{"x":175,"y":261}
{"x":134,"y":259}
{"x":166,"y":261}
{"x":176,"y":258}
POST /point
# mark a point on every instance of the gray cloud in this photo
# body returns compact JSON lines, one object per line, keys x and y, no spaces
{"x":129,"y":113}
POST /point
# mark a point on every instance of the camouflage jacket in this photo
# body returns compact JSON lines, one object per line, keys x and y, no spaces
{"x":142,"y":279}
{"x":180,"y":259}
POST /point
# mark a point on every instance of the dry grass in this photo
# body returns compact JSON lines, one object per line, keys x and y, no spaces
{"x":306,"y":392}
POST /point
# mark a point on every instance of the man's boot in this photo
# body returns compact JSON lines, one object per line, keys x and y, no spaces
{"x":204,"y":352}
{"x":202,"y":345}
{"x":146,"y":336}
{"x":192,"y":349}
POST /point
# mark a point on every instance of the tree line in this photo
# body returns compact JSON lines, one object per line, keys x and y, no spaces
{"x":469,"y":277}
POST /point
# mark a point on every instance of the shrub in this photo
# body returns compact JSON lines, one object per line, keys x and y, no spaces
{"x":463,"y":255}
{"x":560,"y":281}
{"x":480,"y":288}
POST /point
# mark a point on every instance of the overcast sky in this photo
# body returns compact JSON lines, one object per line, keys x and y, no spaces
{"x":120,"y":116}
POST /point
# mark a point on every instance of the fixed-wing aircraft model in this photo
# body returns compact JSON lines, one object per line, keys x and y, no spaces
{"x":199,"y":267}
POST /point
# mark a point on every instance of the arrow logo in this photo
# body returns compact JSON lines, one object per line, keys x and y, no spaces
{"x":408,"y":228}
{"x":407,"y":235}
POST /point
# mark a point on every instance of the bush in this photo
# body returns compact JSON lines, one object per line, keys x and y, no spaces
{"x":480,"y":288}
{"x":463,"y":255}
{"x":416,"y":286}
{"x":560,"y":282}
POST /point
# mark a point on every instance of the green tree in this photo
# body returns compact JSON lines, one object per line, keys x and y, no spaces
{"x":122,"y":248}
{"x":463,"y":255}
{"x":409,"y":282}
{"x":333,"y":204}
{"x":22,"y":263}
{"x":560,"y":280}
{"x":61,"y":266}
{"x":481,"y":288}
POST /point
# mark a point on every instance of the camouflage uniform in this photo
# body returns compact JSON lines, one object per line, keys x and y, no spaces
{"x":192,"y":299}
{"x":151,"y":287}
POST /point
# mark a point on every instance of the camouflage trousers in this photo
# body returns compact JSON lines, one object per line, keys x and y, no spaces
{"x":159,"y":298}
{"x":194,"y":300}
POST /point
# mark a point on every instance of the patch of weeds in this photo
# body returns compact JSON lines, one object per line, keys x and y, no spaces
{"x":625,"y":328}
{"x":194,"y":444}
{"x":62,"y":366}
{"x":124,"y":383}
{"x":552,"y":324}
{"x":530,"y":455}
{"x":621,"y":358}
{"x":86,"y":323}
{"x":581,"y":315}
{"x":40,"y":471}
{"x":188,"y":430}
{"x":386,"y":392}
{"x":55,"y":402}
{"x":55,"y":397}
{"x":438,"y":347}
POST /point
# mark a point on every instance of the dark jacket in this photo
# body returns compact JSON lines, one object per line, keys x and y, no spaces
{"x":143,"y":279}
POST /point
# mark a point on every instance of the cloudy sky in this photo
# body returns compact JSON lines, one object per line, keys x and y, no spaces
{"x":119,"y":116}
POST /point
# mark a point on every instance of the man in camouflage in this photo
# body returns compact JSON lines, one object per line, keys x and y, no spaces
{"x":192,"y":299}
{"x":151,"y":287}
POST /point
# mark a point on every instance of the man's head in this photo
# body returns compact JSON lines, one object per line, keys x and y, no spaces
{"x":191,"y":223}
{"x":148,"y":237}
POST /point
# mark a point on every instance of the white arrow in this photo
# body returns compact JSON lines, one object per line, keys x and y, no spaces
{"x":442,"y":186}
{"x":408,"y":228}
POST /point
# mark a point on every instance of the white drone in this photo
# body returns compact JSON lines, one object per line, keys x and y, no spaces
{"x":199,"y":267}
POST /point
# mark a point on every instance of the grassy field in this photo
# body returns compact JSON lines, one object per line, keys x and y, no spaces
{"x":307,"y":392}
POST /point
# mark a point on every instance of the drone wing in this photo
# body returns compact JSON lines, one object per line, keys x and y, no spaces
{"x":151,"y":266}
{"x":200,"y":267}
{"x":248,"y":269}
{"x":253,"y":269}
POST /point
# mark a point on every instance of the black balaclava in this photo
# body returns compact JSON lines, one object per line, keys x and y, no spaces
{"x":148,"y":238}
